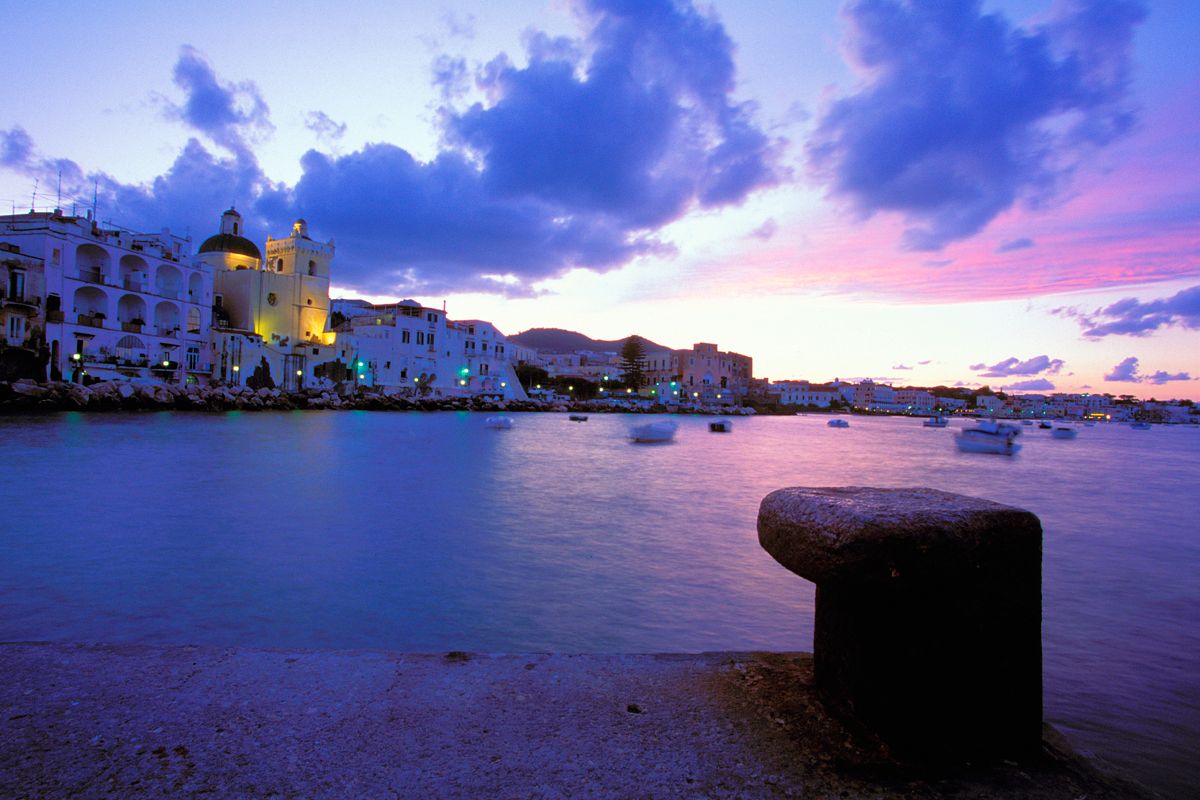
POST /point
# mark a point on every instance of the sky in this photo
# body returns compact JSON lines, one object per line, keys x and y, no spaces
{"x":924,"y":192}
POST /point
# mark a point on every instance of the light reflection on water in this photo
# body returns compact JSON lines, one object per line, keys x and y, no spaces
{"x":428,"y":532}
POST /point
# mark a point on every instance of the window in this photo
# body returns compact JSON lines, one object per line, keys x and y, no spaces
{"x":16,"y":284}
{"x":405,"y":336}
{"x":310,"y":301}
{"x":485,"y":347}
{"x":387,"y":365}
{"x":430,"y":340}
{"x":483,"y":369}
{"x":193,"y":358}
{"x":235,"y":229}
{"x":16,"y":330}
{"x":272,"y":299}
{"x":420,"y":337}
{"x":312,"y":269}
{"x":279,"y":265}
{"x":316,"y":351}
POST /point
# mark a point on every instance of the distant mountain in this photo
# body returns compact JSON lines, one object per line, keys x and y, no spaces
{"x":557,"y":340}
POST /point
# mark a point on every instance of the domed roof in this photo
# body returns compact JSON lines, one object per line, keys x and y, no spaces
{"x":230,"y":243}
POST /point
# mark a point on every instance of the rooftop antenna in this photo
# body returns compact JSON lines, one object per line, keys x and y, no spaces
{"x":58,"y":199}
{"x":95,"y":190}
{"x":33,"y":200}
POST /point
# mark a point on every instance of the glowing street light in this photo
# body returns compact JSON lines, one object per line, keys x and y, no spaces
{"x":299,"y":372}
{"x":236,"y":368}
{"x":76,"y":356}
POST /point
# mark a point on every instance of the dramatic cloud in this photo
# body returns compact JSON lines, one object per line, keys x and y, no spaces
{"x":1035,"y":385}
{"x":229,"y":113}
{"x":575,"y":160}
{"x":961,"y":114}
{"x":1014,"y":366}
{"x":327,"y":130}
{"x":1015,"y":244}
{"x":1131,"y":317}
{"x":1127,"y":372}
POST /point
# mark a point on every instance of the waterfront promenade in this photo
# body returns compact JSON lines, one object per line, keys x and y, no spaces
{"x":138,"y":721}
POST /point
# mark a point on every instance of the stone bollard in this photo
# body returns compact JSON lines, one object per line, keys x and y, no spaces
{"x":928,"y":614}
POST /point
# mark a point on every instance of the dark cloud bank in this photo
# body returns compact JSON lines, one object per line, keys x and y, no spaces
{"x":1132,"y":317}
{"x":573,"y":162}
{"x":1128,"y":371}
{"x":963,"y":115}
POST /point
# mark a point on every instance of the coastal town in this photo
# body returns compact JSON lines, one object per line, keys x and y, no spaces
{"x":85,"y":303}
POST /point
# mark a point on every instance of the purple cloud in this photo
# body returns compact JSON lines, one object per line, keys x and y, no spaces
{"x":901,"y":366}
{"x":765,"y":231}
{"x":1035,"y":385}
{"x":1015,"y":244}
{"x":325,"y":127}
{"x":963,"y":114}
{"x":1014,"y":366}
{"x":576,"y":159}
{"x":1131,"y":317}
{"x":1127,"y":372}
{"x":229,"y":113}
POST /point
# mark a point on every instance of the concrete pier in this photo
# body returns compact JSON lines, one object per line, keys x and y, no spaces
{"x":133,"y":722}
{"x":928,"y":614}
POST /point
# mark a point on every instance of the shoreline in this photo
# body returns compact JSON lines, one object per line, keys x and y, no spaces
{"x":139,"y":720}
{"x":110,"y":396}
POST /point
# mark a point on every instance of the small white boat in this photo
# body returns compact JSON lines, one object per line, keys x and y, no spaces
{"x":1064,"y":433}
{"x":721,"y":426}
{"x":1045,"y":425}
{"x":499,"y":423}
{"x":578,"y":417}
{"x":838,"y":423}
{"x":936,"y":422}
{"x":989,"y":436}
{"x":1026,"y":422}
{"x":653,"y":432}
{"x":1140,"y":426}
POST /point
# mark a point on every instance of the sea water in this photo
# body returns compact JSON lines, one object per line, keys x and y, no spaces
{"x":432,"y":532}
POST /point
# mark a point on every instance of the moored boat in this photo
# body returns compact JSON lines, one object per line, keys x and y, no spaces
{"x":1064,"y":433}
{"x":578,"y":417}
{"x":838,"y":423}
{"x":653,"y":432}
{"x":721,"y":426}
{"x":989,"y":436}
{"x":1140,"y":426}
{"x":499,"y":423}
{"x":936,"y":421}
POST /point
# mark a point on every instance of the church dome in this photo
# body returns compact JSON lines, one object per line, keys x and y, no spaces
{"x":230,"y":243}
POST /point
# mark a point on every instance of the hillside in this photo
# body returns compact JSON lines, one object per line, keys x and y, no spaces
{"x":557,"y":340}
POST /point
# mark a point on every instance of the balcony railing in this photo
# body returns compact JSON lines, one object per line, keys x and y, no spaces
{"x":133,"y":286}
{"x":94,"y":321}
{"x":132,"y":327}
{"x":170,"y":332}
{"x":91,"y":276}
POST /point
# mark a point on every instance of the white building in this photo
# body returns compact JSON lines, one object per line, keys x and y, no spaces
{"x":119,"y":305}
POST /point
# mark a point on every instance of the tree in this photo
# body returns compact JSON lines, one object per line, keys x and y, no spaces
{"x":633,"y":361}
{"x":531,"y":375}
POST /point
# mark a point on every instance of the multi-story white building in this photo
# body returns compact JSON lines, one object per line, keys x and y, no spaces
{"x":407,"y":345}
{"x":118,"y":304}
{"x":803,"y":393}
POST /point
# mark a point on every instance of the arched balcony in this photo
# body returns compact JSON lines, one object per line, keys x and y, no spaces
{"x":132,"y":351}
{"x":193,"y":320}
{"x":166,"y":319}
{"x":90,"y":305}
{"x":195,"y":288}
{"x":93,"y":263}
{"x":131,"y":313}
{"x":135,"y":273}
{"x":168,"y":281}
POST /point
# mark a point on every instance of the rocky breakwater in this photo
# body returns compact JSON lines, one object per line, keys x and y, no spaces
{"x":27,"y":396}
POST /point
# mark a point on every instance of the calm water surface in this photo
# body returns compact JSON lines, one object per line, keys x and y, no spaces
{"x":429,"y":532}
